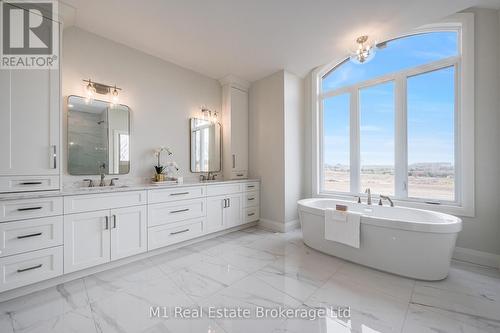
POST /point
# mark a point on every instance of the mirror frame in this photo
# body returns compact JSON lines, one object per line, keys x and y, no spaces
{"x":191,"y":143}
{"x":67,"y":139}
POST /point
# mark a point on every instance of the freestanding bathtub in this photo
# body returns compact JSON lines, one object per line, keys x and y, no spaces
{"x":405,"y":241}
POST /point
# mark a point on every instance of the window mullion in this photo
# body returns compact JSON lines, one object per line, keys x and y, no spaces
{"x":354,"y":141}
{"x":401,"y":139}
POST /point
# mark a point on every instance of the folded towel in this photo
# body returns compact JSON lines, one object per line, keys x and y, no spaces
{"x":342,"y":227}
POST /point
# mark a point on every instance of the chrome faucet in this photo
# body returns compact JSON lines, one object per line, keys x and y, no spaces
{"x":385,"y":197}
{"x":91,"y":182}
{"x":369,"y":196}
{"x":102,"y":183}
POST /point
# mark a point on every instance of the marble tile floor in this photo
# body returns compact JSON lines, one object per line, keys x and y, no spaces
{"x":251,"y":269}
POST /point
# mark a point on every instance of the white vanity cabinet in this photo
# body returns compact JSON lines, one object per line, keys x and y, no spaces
{"x":29,"y":130}
{"x":226,"y":210}
{"x":48,"y":236}
{"x":235,"y":129}
{"x":98,"y":236}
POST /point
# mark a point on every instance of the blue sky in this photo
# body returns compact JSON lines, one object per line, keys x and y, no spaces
{"x":430,"y":104}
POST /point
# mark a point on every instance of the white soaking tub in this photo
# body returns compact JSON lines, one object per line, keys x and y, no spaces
{"x":405,"y":241}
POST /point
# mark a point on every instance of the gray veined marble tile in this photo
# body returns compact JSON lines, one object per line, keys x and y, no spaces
{"x":6,"y":324}
{"x":466,"y":291}
{"x":388,"y":284}
{"x":423,"y":319}
{"x":370,"y":308}
{"x":45,"y":304}
{"x":105,"y":284}
{"x":177,"y":260}
{"x":196,"y":285}
{"x":77,"y":321}
{"x":274,"y":244}
{"x":245,"y":258}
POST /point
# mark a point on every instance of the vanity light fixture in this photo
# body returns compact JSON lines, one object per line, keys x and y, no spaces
{"x":100,"y":88}
{"x":364,"y":52}
{"x":209,"y":114}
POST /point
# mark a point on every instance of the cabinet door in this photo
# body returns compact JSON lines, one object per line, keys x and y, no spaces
{"x":232,"y":213}
{"x":30,"y":123}
{"x":215,"y":208}
{"x":239,"y":129}
{"x":128,"y":231}
{"x":86,"y":240}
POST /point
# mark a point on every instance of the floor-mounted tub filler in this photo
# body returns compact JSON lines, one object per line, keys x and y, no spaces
{"x":405,"y":241}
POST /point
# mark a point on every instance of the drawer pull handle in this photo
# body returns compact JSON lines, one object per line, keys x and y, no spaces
{"x":239,"y":175}
{"x":30,"y":235}
{"x":179,"y":232}
{"x":30,"y":183}
{"x":179,"y":211}
{"x":250,"y":199}
{"x":250,"y":186}
{"x":29,"y":208}
{"x":180,"y":193}
{"x":251,"y":214}
{"x":114,"y":221}
{"x":29,"y":268}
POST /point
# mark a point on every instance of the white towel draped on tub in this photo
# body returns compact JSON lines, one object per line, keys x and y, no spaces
{"x":342,"y":227}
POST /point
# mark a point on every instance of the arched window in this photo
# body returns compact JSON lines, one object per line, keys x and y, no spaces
{"x":393,"y":124}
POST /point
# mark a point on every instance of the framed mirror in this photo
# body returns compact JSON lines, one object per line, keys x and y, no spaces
{"x":205,"y":145}
{"x":98,"y":137}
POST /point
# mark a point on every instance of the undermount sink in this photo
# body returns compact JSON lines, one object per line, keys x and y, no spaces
{"x":103,"y":188}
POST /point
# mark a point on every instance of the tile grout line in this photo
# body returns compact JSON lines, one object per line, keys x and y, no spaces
{"x":408,"y":306}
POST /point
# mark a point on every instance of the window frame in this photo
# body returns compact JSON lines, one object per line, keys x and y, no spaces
{"x":463,"y":65}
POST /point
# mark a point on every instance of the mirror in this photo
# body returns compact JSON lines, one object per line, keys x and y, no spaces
{"x":205,"y":145}
{"x":98,"y":137}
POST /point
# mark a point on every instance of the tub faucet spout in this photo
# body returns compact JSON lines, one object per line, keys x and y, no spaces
{"x":368,"y":196}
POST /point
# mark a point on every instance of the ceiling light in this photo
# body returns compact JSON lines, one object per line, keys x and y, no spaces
{"x":365,"y":51}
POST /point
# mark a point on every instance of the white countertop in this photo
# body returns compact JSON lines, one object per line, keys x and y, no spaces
{"x":110,"y":189}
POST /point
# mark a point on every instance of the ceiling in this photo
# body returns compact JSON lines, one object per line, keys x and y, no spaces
{"x":254,"y":38}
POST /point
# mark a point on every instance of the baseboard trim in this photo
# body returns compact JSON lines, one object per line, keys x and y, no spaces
{"x":278,"y":226}
{"x":477,"y":257}
{"x":25,"y":290}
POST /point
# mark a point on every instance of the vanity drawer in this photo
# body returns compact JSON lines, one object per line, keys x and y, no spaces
{"x":171,"y":212}
{"x":27,"y":268}
{"x":28,"y":183}
{"x":225,"y":189}
{"x":251,"y":199}
{"x":251,"y":214}
{"x":174,"y":233}
{"x":174,"y":194}
{"x":92,"y":202}
{"x":251,"y":186}
{"x":11,"y":210}
{"x":28,"y":235}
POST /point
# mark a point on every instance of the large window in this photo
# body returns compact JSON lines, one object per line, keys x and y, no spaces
{"x":393,"y":124}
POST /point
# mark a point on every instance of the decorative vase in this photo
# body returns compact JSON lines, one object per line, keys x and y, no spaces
{"x":159,"y":177}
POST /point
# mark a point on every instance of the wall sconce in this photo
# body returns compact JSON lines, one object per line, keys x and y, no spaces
{"x":95,"y":87}
{"x":209,"y":114}
{"x":365,"y":51}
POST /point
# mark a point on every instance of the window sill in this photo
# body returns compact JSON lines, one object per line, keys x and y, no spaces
{"x":456,"y":210}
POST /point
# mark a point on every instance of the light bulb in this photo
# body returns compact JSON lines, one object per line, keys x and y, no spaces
{"x":114,"y":98}
{"x":89,"y":91}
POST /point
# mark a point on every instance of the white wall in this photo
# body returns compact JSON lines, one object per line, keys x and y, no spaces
{"x":162,"y":96}
{"x":266,"y":149}
{"x":276,"y":146}
{"x":481,"y":233}
{"x":294,"y":144}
